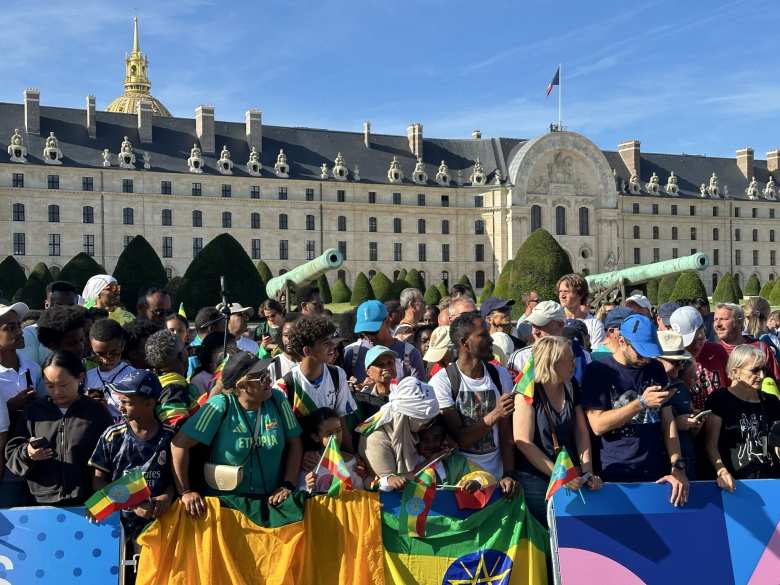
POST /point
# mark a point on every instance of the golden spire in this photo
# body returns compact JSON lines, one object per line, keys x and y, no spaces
{"x":137,"y":84}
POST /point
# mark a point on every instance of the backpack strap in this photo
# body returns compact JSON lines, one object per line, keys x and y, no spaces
{"x":277,"y":364}
{"x":334,"y":377}
{"x":356,"y":356}
{"x":289,"y":384}
{"x":493,"y":373}
{"x":454,"y":376}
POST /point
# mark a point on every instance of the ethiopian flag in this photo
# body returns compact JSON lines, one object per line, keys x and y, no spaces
{"x":334,"y":463}
{"x":500,"y":545}
{"x":302,"y":403}
{"x":525,"y":382}
{"x":417,"y":501}
{"x":563,"y":472}
{"x":126,"y":492}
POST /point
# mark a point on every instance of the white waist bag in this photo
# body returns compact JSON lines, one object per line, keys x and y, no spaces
{"x":226,"y":478}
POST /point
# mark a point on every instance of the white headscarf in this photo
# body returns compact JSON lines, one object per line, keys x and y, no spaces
{"x":95,"y":286}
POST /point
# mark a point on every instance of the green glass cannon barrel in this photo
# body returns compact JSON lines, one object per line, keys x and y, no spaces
{"x":304,"y":273}
{"x":640,"y":274}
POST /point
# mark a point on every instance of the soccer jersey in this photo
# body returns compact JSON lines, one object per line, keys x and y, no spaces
{"x":97,"y":380}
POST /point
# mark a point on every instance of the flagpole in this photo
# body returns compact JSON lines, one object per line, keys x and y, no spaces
{"x":560,"y":94}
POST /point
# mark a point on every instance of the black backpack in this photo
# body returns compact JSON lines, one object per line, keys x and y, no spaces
{"x":453,"y":373}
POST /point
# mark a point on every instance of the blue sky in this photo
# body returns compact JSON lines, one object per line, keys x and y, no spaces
{"x":690,"y":76}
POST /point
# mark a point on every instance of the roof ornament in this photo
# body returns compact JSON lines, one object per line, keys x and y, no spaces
{"x":419,"y":176}
{"x":225,"y":163}
{"x":195,"y":162}
{"x":340,"y":170}
{"x":752,"y":189}
{"x":712,"y":189}
{"x":52,"y":155}
{"x":281,"y":168}
{"x":459,"y":178}
{"x":356,"y":173}
{"x":671,"y":185}
{"x":634,"y":188}
{"x":16,"y":150}
{"x":653,"y":186}
{"x":394,"y":173}
{"x":769,"y":190}
{"x":147,"y":160}
{"x":324,"y":171}
{"x":126,"y":156}
{"x":499,"y":177}
{"x":106,"y":155}
{"x":253,"y":164}
{"x":703,"y":190}
{"x":725,"y":191}
{"x":477,"y":176}
{"x":443,"y":175}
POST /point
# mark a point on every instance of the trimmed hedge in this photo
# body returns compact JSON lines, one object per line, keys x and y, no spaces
{"x":12,"y":277}
{"x":688,"y":286}
{"x":766,"y":290}
{"x":666,"y":287}
{"x":264,"y":271}
{"x":652,"y":290}
{"x":382,"y":287}
{"x":398,"y":287}
{"x":33,"y":293}
{"x":442,"y":288}
{"x":415,"y":280}
{"x":79,"y":270}
{"x":753,"y":286}
{"x":774,"y":296}
{"x":340,"y":293}
{"x":725,"y":292}
{"x":137,"y":269}
{"x":432,"y":296}
{"x":324,"y":287}
{"x":362,"y":290}
{"x":737,"y":290}
{"x":487,"y":291}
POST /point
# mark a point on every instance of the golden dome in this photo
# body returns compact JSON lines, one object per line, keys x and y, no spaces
{"x":137,"y":84}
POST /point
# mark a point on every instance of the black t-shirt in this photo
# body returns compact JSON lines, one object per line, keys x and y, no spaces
{"x":744,"y":429}
{"x":633,"y":452}
{"x":565,"y":428}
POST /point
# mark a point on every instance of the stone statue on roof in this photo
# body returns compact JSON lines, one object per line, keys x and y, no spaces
{"x":633,"y":185}
{"x":225,"y":163}
{"x":769,"y":190}
{"x":253,"y":164}
{"x":671,"y":184}
{"x":394,"y":173}
{"x":499,"y":178}
{"x":16,"y":149}
{"x":712,"y":188}
{"x":126,"y":148}
{"x":477,"y":176}
{"x":340,"y":171}
{"x":147,"y":160}
{"x":443,"y":174}
{"x":324,"y":171}
{"x":16,"y":138}
{"x":126,"y":156}
{"x":703,"y":190}
{"x":419,"y":175}
{"x":752,"y":189}
{"x":653,"y":185}
{"x":52,"y":155}
{"x":195,"y":162}
{"x":281,"y":168}
{"x":106,"y":154}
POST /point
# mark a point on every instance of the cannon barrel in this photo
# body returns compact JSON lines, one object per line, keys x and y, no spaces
{"x":330,"y":260}
{"x":640,"y":274}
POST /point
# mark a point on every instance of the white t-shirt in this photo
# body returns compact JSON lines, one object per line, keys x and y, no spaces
{"x":97,"y":379}
{"x":519,"y":358}
{"x":33,"y":349}
{"x":475,"y":399}
{"x":13,"y":382}
{"x":324,"y":394}
{"x":245,"y":344}
{"x":285,"y":365}
{"x":595,"y":329}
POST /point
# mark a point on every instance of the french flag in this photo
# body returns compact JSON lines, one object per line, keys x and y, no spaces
{"x":556,"y":80}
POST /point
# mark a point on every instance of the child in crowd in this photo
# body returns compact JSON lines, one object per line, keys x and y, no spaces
{"x":167,"y":356}
{"x":107,"y":340}
{"x":210,"y":357}
{"x":285,"y":360}
{"x":136,"y":334}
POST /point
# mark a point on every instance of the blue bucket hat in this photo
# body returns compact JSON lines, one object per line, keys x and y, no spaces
{"x":640,"y":332}
{"x":370,"y":316}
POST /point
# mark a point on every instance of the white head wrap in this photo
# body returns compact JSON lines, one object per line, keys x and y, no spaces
{"x":95,"y":286}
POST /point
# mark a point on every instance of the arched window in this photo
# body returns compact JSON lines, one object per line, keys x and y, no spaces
{"x":197,"y":218}
{"x":714,"y":281}
{"x":54,"y":214}
{"x":227,"y":219}
{"x":445,"y":277}
{"x":255,"y":221}
{"x":395,"y":274}
{"x":536,"y":217}
{"x":168,"y":272}
{"x":88,"y":214}
{"x":127,"y":215}
{"x":584,"y":221}
{"x":342,"y":275}
{"x":560,"y":220}
{"x":282,"y":271}
{"x":371,"y":274}
{"x":479,"y":279}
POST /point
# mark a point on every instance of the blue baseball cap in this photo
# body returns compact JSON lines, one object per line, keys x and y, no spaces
{"x":373,"y":354}
{"x":139,"y":383}
{"x":640,"y":332}
{"x":370,"y":316}
{"x":665,"y":311}
{"x":616,"y":316}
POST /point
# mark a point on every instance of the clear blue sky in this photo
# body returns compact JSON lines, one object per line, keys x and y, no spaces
{"x":690,"y":76}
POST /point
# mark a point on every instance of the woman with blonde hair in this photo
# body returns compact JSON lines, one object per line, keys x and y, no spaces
{"x":552,"y":421}
{"x":737,"y":432}
{"x":757,"y":312}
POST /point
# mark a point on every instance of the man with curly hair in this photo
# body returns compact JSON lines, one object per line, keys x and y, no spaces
{"x":62,"y":327}
{"x":136,"y":334}
{"x":167,"y":357}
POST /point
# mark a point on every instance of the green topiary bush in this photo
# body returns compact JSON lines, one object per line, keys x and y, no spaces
{"x":766,"y":290}
{"x":264,"y":271}
{"x":415,"y":280}
{"x":326,"y":296}
{"x":137,"y":269}
{"x":362,"y":290}
{"x":398,"y":286}
{"x":753,"y":286}
{"x":737,"y":290}
{"x":464,"y":280}
{"x":340,"y":292}
{"x":487,"y":291}
{"x":382,"y":287}
{"x":12,"y":277}
{"x":538,"y":265}
{"x":774,"y":295}
{"x":442,"y":288}
{"x":222,"y":256}
{"x":432,"y":296}
{"x":725,"y":291}
{"x":688,"y":286}
{"x":79,"y":270}
{"x":666,"y":287}
{"x":401,"y":275}
{"x":33,"y":293}
{"x":652,"y":291}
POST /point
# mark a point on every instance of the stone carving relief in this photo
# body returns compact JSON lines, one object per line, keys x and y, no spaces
{"x":443,"y":175}
{"x":340,"y":170}
{"x":324,"y":171}
{"x":106,"y":157}
{"x":126,"y":155}
{"x":712,"y":189}
{"x":16,"y":150}
{"x":769,"y":191}
{"x":147,"y":160}
{"x":225,"y":163}
{"x":419,"y":176}
{"x":281,"y":168}
{"x":195,"y":162}
{"x":253,"y":165}
{"x":52,"y":155}
{"x":653,"y":186}
{"x":633,"y":185}
{"x":752,"y":189}
{"x":477,"y":176}
{"x":394,"y":173}
{"x":560,"y":168}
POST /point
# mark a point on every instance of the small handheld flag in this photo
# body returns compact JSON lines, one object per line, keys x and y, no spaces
{"x":182,"y":312}
{"x":126,"y":492}
{"x":334,"y":463}
{"x":525,"y":381}
{"x":563,"y":472}
{"x":556,"y":80}
{"x":416,"y":502}
{"x":371,"y":424}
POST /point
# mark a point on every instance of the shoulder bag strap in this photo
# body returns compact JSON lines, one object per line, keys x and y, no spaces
{"x":550,"y":421}
{"x":454,"y":376}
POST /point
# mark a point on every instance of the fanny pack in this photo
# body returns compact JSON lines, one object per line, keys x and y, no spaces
{"x":226,"y":478}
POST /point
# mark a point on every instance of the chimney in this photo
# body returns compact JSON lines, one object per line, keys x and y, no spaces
{"x":145,"y":121}
{"x":367,"y":133}
{"x":476,"y":134}
{"x":745,"y":162}
{"x":414,"y":132}
{"x":254,"y":129}
{"x":204,"y":128}
{"x":91,"y":129}
{"x":773,"y":161}
{"x":32,"y":111}
{"x":629,"y":152}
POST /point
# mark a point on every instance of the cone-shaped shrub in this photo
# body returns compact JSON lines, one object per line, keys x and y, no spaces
{"x":725,"y":292}
{"x":326,"y":296}
{"x":138,"y":268}
{"x":652,"y":291}
{"x":79,"y":270}
{"x":340,"y":292}
{"x":264,"y":271}
{"x":487,"y":291}
{"x":382,"y":287}
{"x":688,"y":286}
{"x":33,"y":293}
{"x":415,"y":280}
{"x":666,"y":287}
{"x":432,"y":296}
{"x":12,"y":277}
{"x":753,"y":286}
{"x":442,"y":288}
{"x":766,"y":290}
{"x":362,"y":290}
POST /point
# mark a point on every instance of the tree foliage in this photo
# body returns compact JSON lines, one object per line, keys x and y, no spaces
{"x":465,"y":281}
{"x":264,"y":272}
{"x":137,"y":269}
{"x":766,"y":290}
{"x":666,"y":287}
{"x":442,"y":288}
{"x":326,"y":296}
{"x":725,"y":291}
{"x":652,"y":290}
{"x":688,"y":286}
{"x":382,"y":287}
{"x":12,"y":277}
{"x":362,"y":290}
{"x":398,"y":287}
{"x":432,"y":296}
{"x":753,"y":286}
{"x":80,"y":269}
{"x":33,"y":293}
{"x":340,"y":292}
{"x":401,"y":275}
{"x":415,"y":280}
{"x":737,"y":290}
{"x":487,"y":291}
{"x":774,"y":296}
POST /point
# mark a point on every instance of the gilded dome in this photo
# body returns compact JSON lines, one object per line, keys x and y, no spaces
{"x":137,"y":84}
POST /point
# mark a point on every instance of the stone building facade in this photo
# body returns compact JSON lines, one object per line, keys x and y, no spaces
{"x":88,"y":181}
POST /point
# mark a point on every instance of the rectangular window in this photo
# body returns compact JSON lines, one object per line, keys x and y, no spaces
{"x":284,"y":250}
{"x":396,"y":199}
{"x":714,"y":212}
{"x":19,"y":244}
{"x":637,"y":255}
{"x":372,"y":197}
{"x":636,"y":232}
{"x":254,"y":192}
{"x":342,"y":246}
{"x":479,"y":253}
{"x":736,"y":212}
{"x":127,"y":216}
{"x":655,"y":209}
{"x":771,"y":235}
{"x":167,"y":247}
{"x":372,"y":226}
{"x":167,"y":217}
{"x":674,"y":233}
{"x":282,"y":194}
{"x":227,"y":220}
{"x":396,"y":225}
{"x":282,"y":221}
{"x":197,"y":190}
{"x":656,"y":254}
{"x":87,"y":183}
{"x":373,"y":254}
{"x":18,"y":212}
{"x":674,"y":210}
{"x":754,"y":212}
{"x":397,"y":252}
{"x":445,"y":200}
{"x":716,"y":257}
{"x":635,"y":208}
{"x":255,"y":249}
{"x":54,"y":245}
{"x":737,"y":257}
{"x":310,"y":249}
{"x":53,"y":182}
{"x":755,"y":235}
{"x":89,"y":244}
{"x":737,"y":235}
{"x":197,"y":246}
{"x":420,"y":226}
{"x":165,"y":188}
{"x":656,"y":232}
{"x":755,"y":257}
{"x":309,"y":194}
{"x":54,"y":213}
{"x":127,"y":185}
{"x":675,"y":253}
{"x":715,"y":234}
{"x":772,"y":257}
{"x":445,"y":252}
{"x":18,"y":180}
{"x":421,"y":199}
{"x":227,"y":190}
{"x":693,"y":234}
{"x":310,"y":223}
{"x":341,"y":223}
{"x":693,"y":210}
{"x":341,"y":196}
{"x":693,"y":251}
{"x":479,"y":201}
{"x":479,"y":227}
{"x":771,"y":213}
{"x":445,"y":226}
{"x":422,"y":254}
{"x":126,"y":241}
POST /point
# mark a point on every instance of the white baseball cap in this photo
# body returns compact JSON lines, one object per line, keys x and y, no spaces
{"x":545,"y":312}
{"x":20,"y":309}
{"x":640,"y":300}
{"x":686,"y":321}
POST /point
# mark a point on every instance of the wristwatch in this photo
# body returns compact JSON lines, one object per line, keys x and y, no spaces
{"x":679,"y":464}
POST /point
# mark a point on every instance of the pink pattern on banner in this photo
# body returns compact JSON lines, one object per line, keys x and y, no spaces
{"x":584,"y":567}
{"x":768,"y":568}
